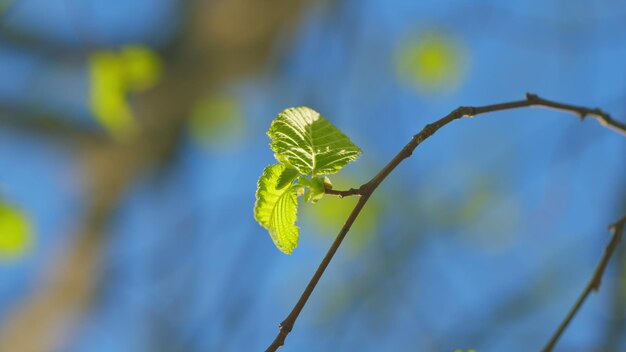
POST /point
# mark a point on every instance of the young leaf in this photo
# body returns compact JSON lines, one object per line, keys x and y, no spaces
{"x":304,"y":139}
{"x":315,"y":188}
{"x":286,"y":177}
{"x":276,"y":206}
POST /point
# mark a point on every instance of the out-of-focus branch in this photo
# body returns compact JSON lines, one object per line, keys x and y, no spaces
{"x":617,"y":230}
{"x":614,"y":334}
{"x":49,"y":125}
{"x":211,"y":51}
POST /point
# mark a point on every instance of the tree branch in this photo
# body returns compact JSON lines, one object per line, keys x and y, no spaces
{"x":368,"y":188}
{"x":341,"y":194}
{"x":617,"y":229}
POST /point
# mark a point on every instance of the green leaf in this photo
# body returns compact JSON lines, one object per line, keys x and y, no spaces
{"x":286,"y":177}
{"x":304,"y":139}
{"x":315,"y":188}
{"x":276,"y":206}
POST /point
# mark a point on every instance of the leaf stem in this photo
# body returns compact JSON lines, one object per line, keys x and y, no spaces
{"x":367,"y":189}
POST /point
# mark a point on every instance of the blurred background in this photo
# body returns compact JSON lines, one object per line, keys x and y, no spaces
{"x":132,"y":134}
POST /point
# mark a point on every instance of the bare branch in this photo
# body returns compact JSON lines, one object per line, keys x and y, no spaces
{"x":366,"y":190}
{"x":341,"y":194}
{"x":617,"y":229}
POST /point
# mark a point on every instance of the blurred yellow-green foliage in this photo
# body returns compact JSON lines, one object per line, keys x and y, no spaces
{"x":114,"y":76}
{"x":15,"y":232}
{"x":216,"y":121}
{"x":432,"y":62}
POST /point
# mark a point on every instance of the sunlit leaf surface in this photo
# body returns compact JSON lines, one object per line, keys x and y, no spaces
{"x":276,"y":206}
{"x":303,"y":138}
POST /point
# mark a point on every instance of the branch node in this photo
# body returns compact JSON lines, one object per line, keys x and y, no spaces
{"x":532,"y":97}
{"x":365,"y":188}
{"x":285,"y":326}
{"x":342,"y":194}
{"x":600,"y":113}
{"x":428,"y":131}
{"x":468,"y":111}
{"x":596,"y":285}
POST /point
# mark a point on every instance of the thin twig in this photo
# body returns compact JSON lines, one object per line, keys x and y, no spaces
{"x":341,"y":194}
{"x":287,"y":324}
{"x":368,"y":188}
{"x":617,"y":230}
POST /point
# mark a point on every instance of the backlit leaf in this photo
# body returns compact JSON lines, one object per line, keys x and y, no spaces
{"x":304,"y":139}
{"x":286,"y":178}
{"x":276,"y":206}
